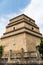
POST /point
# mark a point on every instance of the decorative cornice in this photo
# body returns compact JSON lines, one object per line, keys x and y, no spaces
{"x":15,"y":22}
{"x":23,"y":32}
{"x":22,"y":28}
{"x":21,"y":21}
{"x":20,"y":16}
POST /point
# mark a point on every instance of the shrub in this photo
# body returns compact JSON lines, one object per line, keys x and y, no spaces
{"x":41,"y":48}
{"x":1,"y":51}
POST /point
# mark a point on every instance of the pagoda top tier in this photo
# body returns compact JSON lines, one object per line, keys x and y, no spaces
{"x":22,"y":16}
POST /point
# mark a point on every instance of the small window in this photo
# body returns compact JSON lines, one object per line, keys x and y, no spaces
{"x":14,"y":28}
{"x":32,"y":28}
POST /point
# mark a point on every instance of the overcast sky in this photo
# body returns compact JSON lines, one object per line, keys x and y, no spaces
{"x":12,"y":8}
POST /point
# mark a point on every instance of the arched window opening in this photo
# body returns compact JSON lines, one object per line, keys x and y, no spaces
{"x":10,"y":53}
{"x":22,"y":52}
{"x":38,"y":54}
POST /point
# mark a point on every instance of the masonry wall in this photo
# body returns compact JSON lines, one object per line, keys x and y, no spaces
{"x":26,"y":41}
{"x":32,"y":42}
{"x":14,"y":42}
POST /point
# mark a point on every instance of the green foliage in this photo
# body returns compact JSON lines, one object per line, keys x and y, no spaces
{"x":1,"y":51}
{"x":41,"y":48}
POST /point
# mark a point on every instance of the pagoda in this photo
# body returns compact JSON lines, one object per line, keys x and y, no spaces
{"x":21,"y":39}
